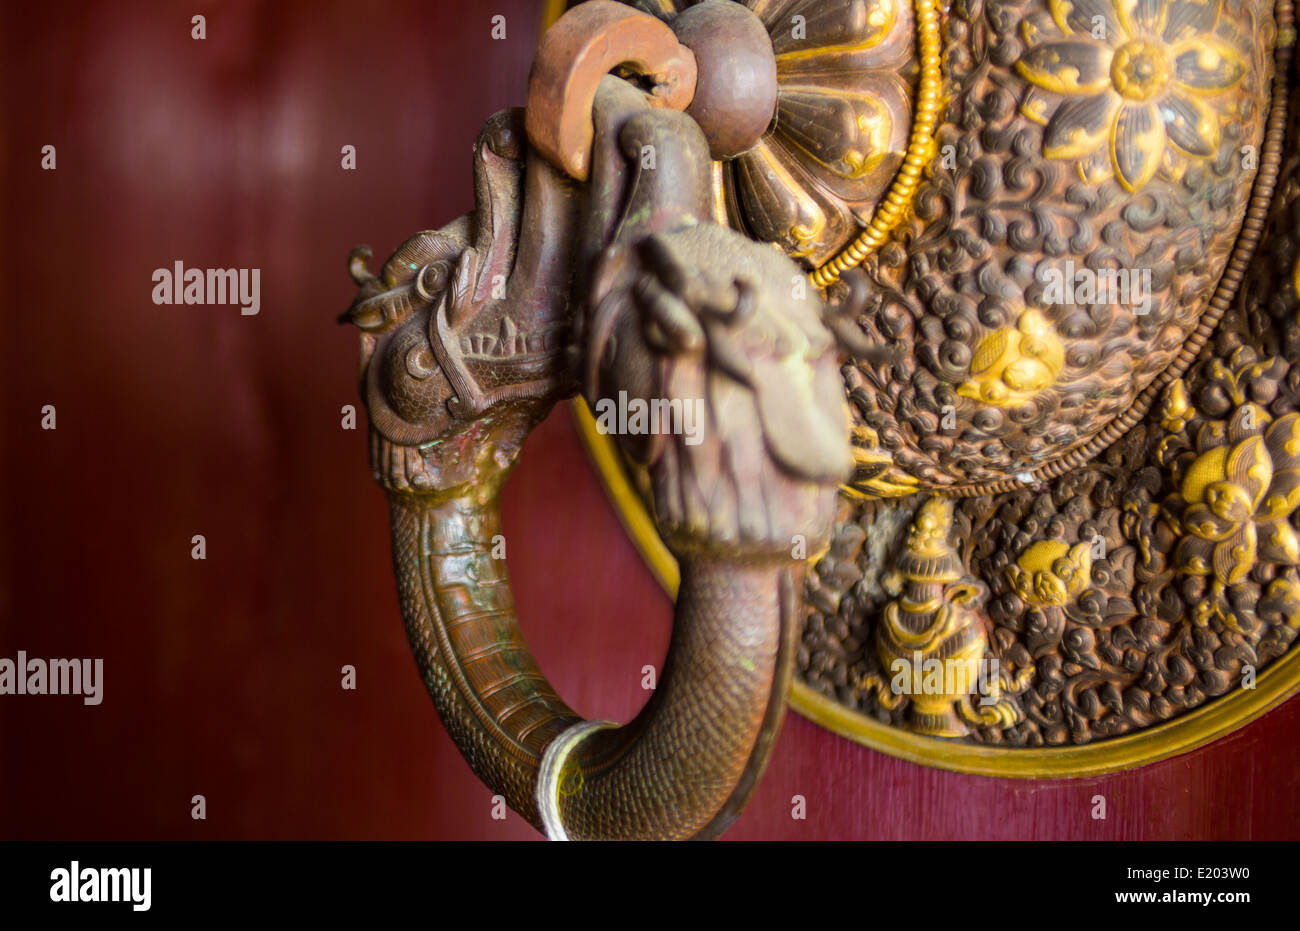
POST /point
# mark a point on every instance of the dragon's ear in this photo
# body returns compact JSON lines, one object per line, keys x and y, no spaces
{"x":841,"y":318}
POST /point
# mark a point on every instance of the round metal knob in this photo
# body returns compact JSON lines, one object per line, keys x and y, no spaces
{"x":735,"y":85}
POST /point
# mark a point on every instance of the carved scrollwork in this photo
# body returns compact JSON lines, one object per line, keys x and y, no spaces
{"x":1005,"y":225}
{"x":1124,"y":470}
{"x":1129,"y":592}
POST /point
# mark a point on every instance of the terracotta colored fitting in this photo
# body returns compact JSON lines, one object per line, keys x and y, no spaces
{"x":583,"y":46}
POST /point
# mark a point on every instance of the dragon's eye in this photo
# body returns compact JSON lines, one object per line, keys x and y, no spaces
{"x":432,"y":279}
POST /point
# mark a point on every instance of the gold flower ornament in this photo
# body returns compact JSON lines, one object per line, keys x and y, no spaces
{"x":1127,"y":87}
{"x":1238,"y":500}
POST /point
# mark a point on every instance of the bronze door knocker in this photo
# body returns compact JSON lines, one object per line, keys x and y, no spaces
{"x":953,"y":352}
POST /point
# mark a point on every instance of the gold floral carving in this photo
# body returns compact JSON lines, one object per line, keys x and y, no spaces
{"x":874,"y":474}
{"x":1136,"y":646}
{"x":1125,"y":88}
{"x":1176,"y":407}
{"x":1238,"y":485}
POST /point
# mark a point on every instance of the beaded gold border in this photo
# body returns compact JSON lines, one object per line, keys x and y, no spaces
{"x":920,"y":151}
{"x":920,"y":146}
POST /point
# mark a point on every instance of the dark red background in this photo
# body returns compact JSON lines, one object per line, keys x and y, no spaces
{"x":222,"y":677}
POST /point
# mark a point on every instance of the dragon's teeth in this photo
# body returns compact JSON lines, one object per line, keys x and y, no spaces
{"x":508,"y":334}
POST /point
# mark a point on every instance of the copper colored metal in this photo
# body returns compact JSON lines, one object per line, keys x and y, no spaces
{"x":1115,"y":597}
{"x":678,"y":310}
{"x":583,"y":46}
{"x":1119,"y":598}
{"x":735,"y":90}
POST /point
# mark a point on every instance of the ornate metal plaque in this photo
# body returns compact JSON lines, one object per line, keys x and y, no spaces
{"x":944,"y":360}
{"x":1073,"y":506}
